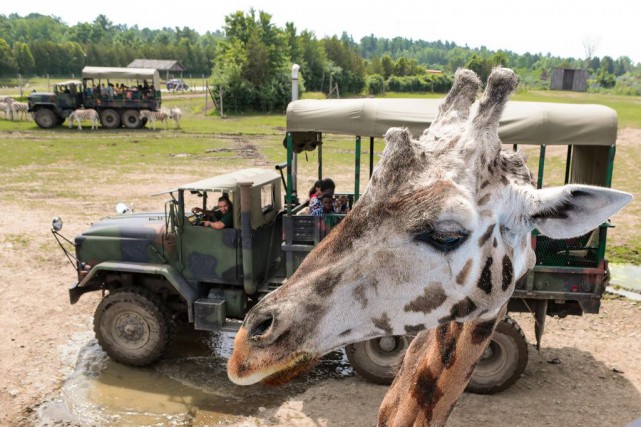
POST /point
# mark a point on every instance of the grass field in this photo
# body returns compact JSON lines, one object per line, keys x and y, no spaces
{"x":207,"y":145}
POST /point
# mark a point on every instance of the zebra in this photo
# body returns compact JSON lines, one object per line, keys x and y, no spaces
{"x":84,"y":114}
{"x":19,"y":110}
{"x":152,"y":116}
{"x":175,"y":113}
{"x":6,"y":109}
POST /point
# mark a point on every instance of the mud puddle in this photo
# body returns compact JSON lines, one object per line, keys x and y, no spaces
{"x":188,"y":388}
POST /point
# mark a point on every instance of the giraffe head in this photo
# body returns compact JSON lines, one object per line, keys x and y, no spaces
{"x":442,"y":233}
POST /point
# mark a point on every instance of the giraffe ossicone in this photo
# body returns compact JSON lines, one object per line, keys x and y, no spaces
{"x":436,"y":242}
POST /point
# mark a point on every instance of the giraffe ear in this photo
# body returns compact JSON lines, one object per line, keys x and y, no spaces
{"x":573,"y":210}
{"x":398,"y":136}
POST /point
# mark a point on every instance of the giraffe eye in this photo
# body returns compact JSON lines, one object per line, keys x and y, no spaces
{"x":442,"y":241}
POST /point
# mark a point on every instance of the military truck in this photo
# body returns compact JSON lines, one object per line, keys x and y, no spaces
{"x":161,"y":268}
{"x":118,"y":108}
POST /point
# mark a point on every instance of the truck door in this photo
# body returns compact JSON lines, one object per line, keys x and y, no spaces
{"x":210,"y":255}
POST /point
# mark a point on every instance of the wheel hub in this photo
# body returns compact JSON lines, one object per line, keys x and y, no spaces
{"x":487,"y":353}
{"x":387,"y":343}
{"x":131,"y":330}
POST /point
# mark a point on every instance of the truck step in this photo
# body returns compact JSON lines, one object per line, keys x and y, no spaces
{"x":273,"y":284}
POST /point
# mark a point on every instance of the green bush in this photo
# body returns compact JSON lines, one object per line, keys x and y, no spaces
{"x":375,"y":84}
{"x":439,"y":83}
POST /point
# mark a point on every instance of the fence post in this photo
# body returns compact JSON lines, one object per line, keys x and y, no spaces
{"x":206,"y":95}
{"x":222,"y":115}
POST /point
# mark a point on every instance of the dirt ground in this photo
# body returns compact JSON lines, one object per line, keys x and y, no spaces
{"x":587,"y":373}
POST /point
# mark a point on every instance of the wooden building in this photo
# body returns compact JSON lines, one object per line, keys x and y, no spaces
{"x":574,"y":79}
{"x":169,"y":67}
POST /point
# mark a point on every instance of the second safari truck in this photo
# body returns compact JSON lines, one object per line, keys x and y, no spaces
{"x":159,"y":269}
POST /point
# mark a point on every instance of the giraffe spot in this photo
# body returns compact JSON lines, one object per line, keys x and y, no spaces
{"x":427,"y":393}
{"x":446,"y":337}
{"x":383,"y":323}
{"x":433,"y":297}
{"x":325,"y":284}
{"x":414,"y":329}
{"x":359,"y":295}
{"x":508,"y":273}
{"x":459,"y":310}
{"x":483,"y":200}
{"x":488,"y":233}
{"x":495,"y":243}
{"x":483,"y":331}
{"x":345,"y":333}
{"x":486,"y":213}
{"x":504,"y":180}
{"x":485,"y":281}
{"x":461,"y":277}
{"x":484,"y":184}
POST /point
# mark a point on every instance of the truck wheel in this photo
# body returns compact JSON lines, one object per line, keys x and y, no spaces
{"x":132,"y":326}
{"x":46,"y":118}
{"x":502,"y":362}
{"x":131,"y":119}
{"x":110,"y":119}
{"x":375,"y":359}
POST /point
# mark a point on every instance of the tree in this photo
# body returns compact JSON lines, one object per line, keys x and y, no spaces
{"x":375,"y":66}
{"x":24,"y":58}
{"x":480,"y":66}
{"x":388,"y":66}
{"x":257,"y":69}
{"x":314,"y":61}
{"x":8,"y":64}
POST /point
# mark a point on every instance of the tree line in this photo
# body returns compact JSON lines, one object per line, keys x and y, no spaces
{"x":40,"y":45}
{"x":249,"y":60}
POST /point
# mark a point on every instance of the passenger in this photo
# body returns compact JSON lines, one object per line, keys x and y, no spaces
{"x":315,"y":205}
{"x":221,"y":218}
{"x":341,"y":205}
{"x":327,"y":201}
{"x":315,"y":191}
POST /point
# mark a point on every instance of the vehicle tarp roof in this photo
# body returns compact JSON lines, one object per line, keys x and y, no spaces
{"x":230,"y":181}
{"x":116,"y":73}
{"x":522,"y":122}
{"x":68,"y":82}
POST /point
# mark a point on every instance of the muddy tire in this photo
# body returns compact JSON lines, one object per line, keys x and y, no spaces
{"x":376,"y":359}
{"x":110,"y":119}
{"x":46,"y":118}
{"x":133,"y":327}
{"x":503,"y":361}
{"x":131,"y":119}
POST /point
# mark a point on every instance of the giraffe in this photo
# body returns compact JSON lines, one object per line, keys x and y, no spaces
{"x":435,"y":244}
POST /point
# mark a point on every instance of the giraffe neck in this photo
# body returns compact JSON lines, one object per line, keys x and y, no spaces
{"x":436,"y":369}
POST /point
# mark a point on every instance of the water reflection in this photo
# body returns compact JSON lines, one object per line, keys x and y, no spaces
{"x":189,"y":387}
{"x":626,"y":276}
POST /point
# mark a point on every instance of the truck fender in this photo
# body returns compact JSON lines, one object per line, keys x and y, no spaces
{"x":167,"y":271}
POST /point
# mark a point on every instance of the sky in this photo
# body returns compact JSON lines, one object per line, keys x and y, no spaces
{"x":560,"y":27}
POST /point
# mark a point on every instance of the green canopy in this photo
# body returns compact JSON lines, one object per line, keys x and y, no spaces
{"x":522,"y":122}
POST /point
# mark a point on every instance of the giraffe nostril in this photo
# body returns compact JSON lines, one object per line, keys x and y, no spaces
{"x":261,"y":327}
